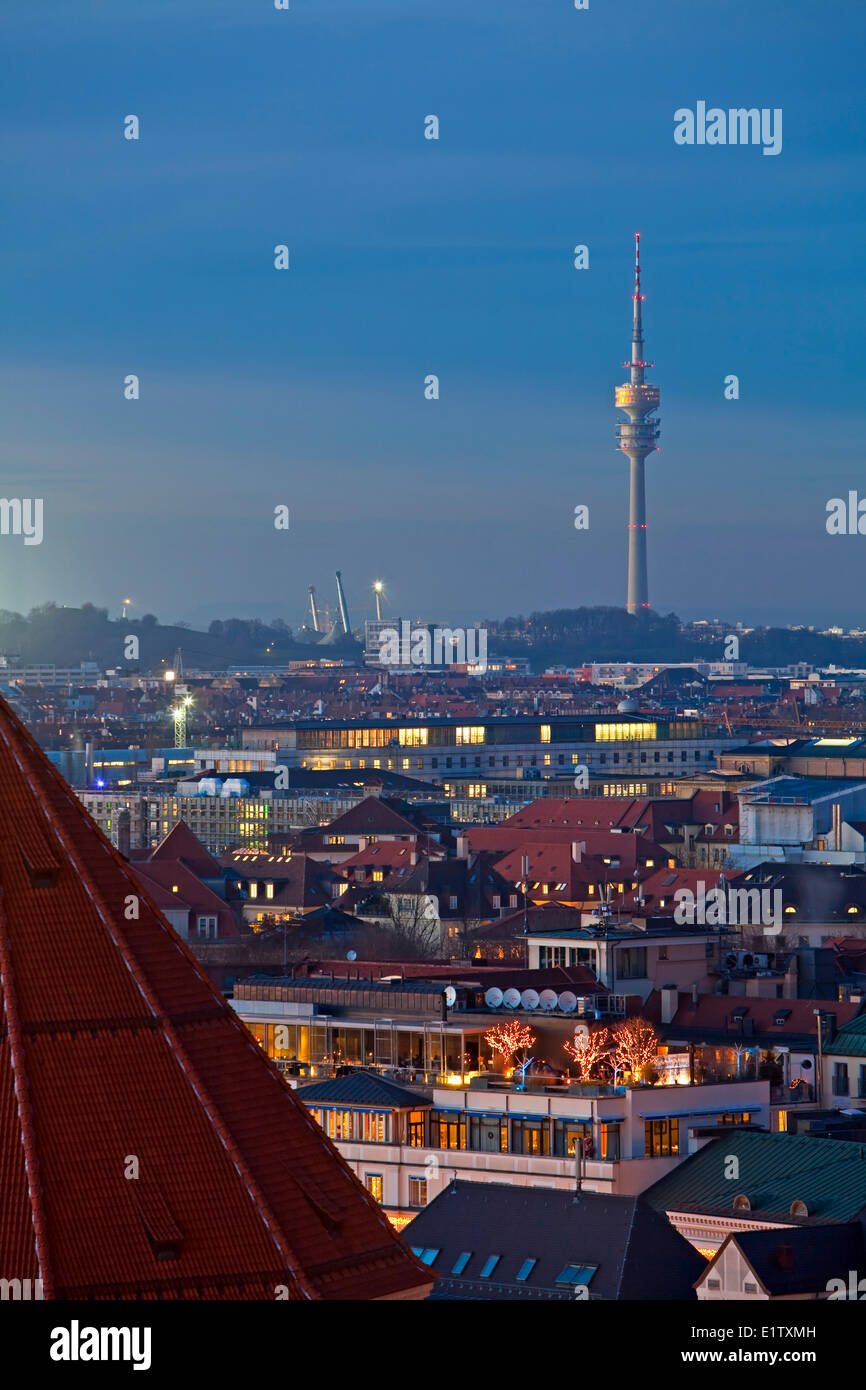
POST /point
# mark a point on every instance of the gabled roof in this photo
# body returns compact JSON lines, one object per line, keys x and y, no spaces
{"x":190,"y":889}
{"x":182,"y":843}
{"x":372,"y":816}
{"x":800,"y":1259}
{"x":362,"y":1087}
{"x":829,"y":1175}
{"x":114,"y":1044}
{"x":616,"y":1245}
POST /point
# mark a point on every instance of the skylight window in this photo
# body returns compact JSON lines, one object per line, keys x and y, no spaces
{"x":426,"y":1256}
{"x":525,"y":1270}
{"x":488,"y":1267}
{"x":461,"y":1262}
{"x":576,"y":1274}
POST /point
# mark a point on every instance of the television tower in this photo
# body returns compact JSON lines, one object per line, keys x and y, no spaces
{"x":636,"y":440}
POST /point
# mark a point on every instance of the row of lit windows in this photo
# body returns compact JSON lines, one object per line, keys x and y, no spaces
{"x":412,"y":738}
{"x":623,"y":733}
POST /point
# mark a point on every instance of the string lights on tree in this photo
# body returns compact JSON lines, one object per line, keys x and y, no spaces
{"x":509,"y":1039}
{"x":635,"y":1044}
{"x":587,"y":1050}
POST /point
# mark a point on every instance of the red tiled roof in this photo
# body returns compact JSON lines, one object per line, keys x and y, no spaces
{"x":183,"y":843}
{"x":114,"y":1045}
{"x":372,"y":816}
{"x":713,"y":1011}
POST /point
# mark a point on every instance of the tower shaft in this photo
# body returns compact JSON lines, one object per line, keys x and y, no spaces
{"x":637,"y":439}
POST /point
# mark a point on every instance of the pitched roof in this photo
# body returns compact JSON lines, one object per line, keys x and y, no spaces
{"x":829,"y":1175}
{"x":115,"y":1044}
{"x":738,"y":1016}
{"x":183,"y":843}
{"x":372,"y":816}
{"x":616,"y":1245}
{"x":850,"y":1041}
{"x":362,"y":1087}
{"x":800,"y":1259}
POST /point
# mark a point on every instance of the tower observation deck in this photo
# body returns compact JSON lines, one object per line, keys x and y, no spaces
{"x":637,"y":439}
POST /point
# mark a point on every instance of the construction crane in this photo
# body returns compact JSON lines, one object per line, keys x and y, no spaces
{"x":313,"y":609}
{"x":179,"y":714}
{"x":344,"y":612}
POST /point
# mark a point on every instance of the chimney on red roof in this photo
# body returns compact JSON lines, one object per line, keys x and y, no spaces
{"x":578,"y":849}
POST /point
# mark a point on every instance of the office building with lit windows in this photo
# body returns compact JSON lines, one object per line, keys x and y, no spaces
{"x":556,"y":744}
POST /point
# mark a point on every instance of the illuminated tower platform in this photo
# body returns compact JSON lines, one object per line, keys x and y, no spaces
{"x":637,"y":439}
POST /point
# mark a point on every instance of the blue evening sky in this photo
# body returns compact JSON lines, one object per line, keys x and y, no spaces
{"x":411,"y":257}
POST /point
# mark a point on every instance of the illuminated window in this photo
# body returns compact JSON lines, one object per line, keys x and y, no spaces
{"x":417,"y":1192}
{"x":373,"y":1184}
{"x":373,"y":1127}
{"x":412,"y":738}
{"x":378,"y":875}
{"x":254,"y":890}
{"x":545,"y":733}
{"x":269,"y":890}
{"x":339,"y":1124}
{"x":624,"y":733}
{"x":661,"y":1138}
{"x":469,"y":733}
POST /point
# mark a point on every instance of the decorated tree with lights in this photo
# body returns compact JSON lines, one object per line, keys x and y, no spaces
{"x":508,"y":1039}
{"x":588,"y":1049}
{"x":635,"y":1044}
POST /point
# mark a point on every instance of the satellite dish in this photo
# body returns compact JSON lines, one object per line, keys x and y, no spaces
{"x":568,"y":1002}
{"x":581,"y":1032}
{"x":493,"y":998}
{"x":529,"y":999}
{"x":548,"y":998}
{"x":351,"y":955}
{"x":511,"y":998}
{"x":450,"y":996}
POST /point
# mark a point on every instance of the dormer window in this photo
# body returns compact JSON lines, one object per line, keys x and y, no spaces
{"x":742,"y":1203}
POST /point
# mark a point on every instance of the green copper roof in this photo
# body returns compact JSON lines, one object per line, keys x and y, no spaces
{"x":850,"y":1041}
{"x":829,"y":1175}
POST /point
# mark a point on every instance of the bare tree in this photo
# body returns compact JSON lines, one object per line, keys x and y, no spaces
{"x":413,"y":929}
